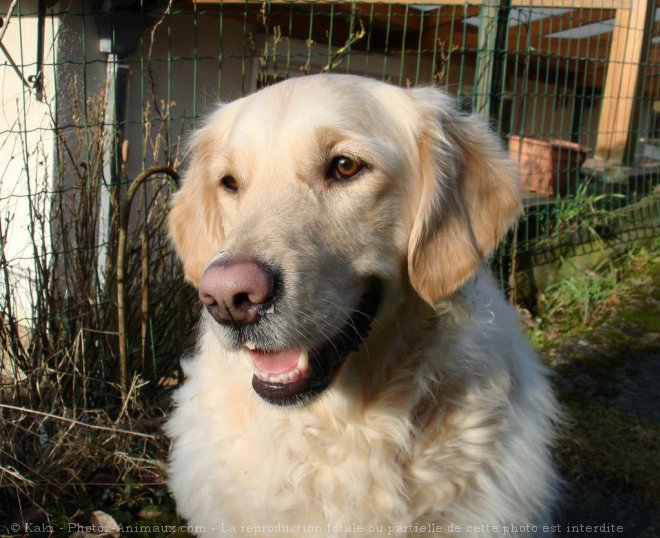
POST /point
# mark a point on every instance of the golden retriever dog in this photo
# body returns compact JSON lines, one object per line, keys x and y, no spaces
{"x":357,"y":373}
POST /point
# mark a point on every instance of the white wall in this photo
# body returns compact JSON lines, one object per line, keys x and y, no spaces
{"x":26,"y":151}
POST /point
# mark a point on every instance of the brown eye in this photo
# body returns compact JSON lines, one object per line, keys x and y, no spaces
{"x":229,"y":183}
{"x":343,"y":167}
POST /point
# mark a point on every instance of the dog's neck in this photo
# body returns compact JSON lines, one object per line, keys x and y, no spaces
{"x":390,"y":352}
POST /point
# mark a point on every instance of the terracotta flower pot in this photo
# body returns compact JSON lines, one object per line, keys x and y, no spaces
{"x":546,"y":165}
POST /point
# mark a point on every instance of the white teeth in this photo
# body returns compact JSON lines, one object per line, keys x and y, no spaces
{"x":279,"y":378}
{"x":250,"y":346}
{"x":303,"y":361}
{"x":285,"y":377}
{"x":261,"y":375}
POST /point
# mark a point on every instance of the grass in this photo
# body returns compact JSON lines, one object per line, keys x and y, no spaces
{"x":600,"y":332}
{"x":579,"y":302}
{"x":585,"y":214}
{"x":616,"y":450}
{"x":576,"y":299}
{"x":80,"y":466}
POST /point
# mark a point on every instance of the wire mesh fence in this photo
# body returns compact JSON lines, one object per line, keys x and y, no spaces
{"x":93,"y":96}
{"x":98,"y":99}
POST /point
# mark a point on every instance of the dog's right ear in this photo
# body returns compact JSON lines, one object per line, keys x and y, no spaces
{"x":194,"y":219}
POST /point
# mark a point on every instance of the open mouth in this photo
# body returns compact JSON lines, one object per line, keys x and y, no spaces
{"x":295,"y":375}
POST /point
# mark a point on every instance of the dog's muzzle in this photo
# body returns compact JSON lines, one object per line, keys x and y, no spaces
{"x":239,"y":293}
{"x":291,"y":376}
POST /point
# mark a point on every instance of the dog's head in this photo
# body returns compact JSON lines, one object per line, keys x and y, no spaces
{"x":310,"y":203}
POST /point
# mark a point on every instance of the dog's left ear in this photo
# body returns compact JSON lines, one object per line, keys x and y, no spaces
{"x":467,"y":197}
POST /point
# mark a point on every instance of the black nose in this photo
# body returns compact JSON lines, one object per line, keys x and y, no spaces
{"x":237,"y":292}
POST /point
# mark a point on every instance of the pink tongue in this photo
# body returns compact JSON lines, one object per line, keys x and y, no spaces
{"x":278,"y":362}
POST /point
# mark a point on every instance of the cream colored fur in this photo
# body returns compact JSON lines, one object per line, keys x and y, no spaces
{"x":442,"y":422}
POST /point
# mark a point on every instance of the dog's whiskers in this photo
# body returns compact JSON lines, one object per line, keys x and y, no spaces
{"x":350,"y":313}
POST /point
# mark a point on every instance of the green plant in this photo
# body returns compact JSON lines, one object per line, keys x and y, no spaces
{"x":644,"y":255}
{"x":584,"y":213}
{"x":578,"y":297}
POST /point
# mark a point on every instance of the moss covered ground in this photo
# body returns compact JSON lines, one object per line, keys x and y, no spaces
{"x":601,"y":336}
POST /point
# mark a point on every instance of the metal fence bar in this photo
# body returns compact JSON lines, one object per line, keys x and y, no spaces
{"x":518,"y":62}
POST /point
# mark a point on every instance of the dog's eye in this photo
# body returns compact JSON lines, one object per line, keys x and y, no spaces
{"x":229,"y":183}
{"x":343,"y":167}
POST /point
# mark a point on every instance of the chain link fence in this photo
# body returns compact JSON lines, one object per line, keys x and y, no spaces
{"x":98,"y":97}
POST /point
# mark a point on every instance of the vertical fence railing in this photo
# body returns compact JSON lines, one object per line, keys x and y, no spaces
{"x":545,"y":74}
{"x":94,"y":312}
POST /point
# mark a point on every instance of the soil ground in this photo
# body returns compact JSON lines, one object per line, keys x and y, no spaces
{"x":607,"y":375}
